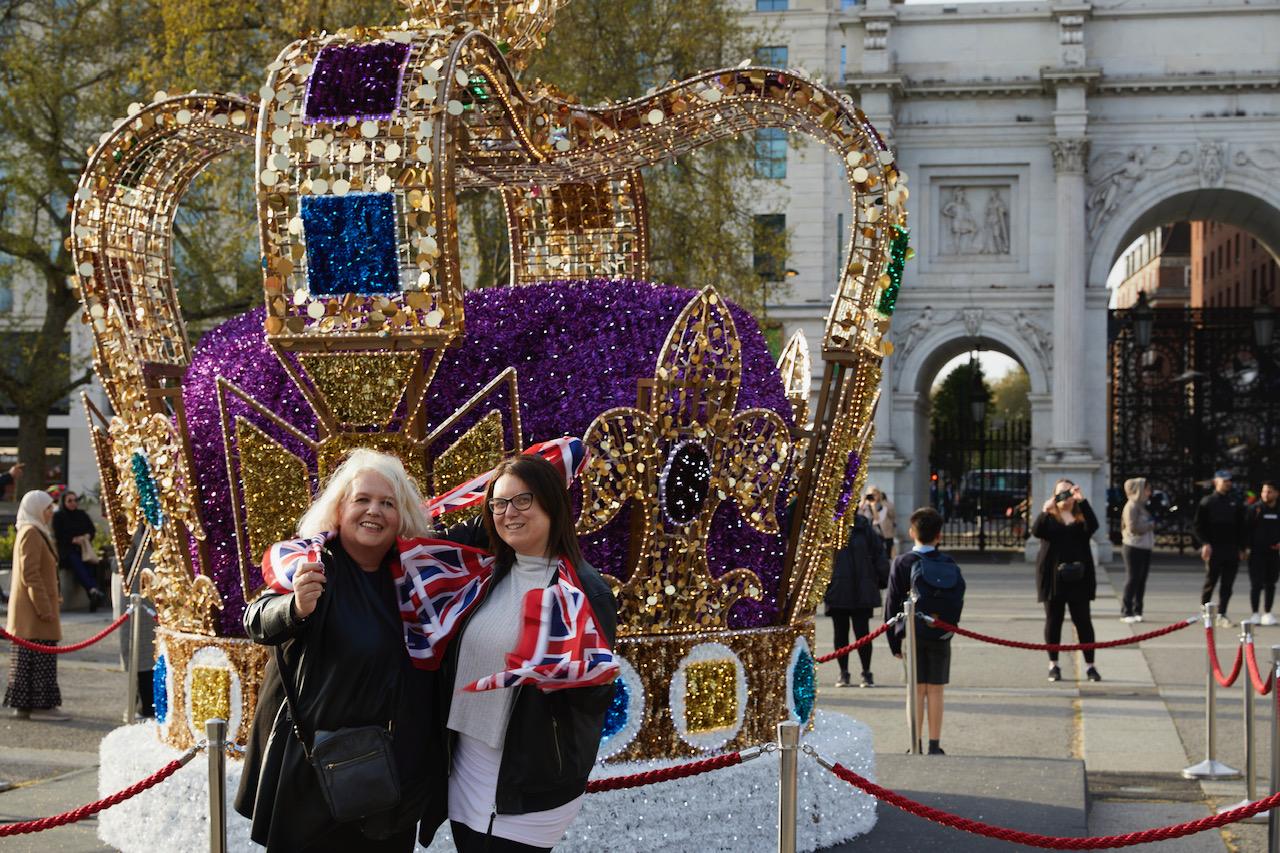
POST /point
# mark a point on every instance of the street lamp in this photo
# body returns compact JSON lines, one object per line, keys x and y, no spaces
{"x":978,"y":410}
{"x":1264,"y":325}
{"x":1143,"y":319}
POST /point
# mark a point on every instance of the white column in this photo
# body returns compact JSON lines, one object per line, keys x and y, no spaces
{"x":1070,"y":154}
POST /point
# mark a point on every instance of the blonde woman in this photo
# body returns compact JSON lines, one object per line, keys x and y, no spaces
{"x":343,"y":645}
{"x":33,"y":613}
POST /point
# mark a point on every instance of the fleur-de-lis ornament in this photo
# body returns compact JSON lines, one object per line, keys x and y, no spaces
{"x":677,"y":456}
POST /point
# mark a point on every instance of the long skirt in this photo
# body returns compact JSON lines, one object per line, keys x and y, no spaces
{"x":33,"y":679}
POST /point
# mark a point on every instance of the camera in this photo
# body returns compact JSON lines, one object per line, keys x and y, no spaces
{"x":1062,"y":496}
{"x":870,"y":496}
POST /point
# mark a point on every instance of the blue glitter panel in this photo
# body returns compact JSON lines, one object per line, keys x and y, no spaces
{"x":616,"y":717}
{"x":148,"y":494}
{"x":159,"y":677}
{"x":351,"y":243}
{"x":802,"y":686}
{"x":356,"y":81}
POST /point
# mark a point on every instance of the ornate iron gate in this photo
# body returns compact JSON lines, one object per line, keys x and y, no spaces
{"x":981,"y":483}
{"x":1201,"y":397}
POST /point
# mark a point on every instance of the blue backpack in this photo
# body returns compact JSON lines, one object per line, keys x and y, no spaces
{"x":938,"y":587}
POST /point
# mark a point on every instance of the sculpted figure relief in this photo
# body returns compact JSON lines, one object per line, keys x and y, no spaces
{"x":995,"y":225}
{"x":962,"y":228}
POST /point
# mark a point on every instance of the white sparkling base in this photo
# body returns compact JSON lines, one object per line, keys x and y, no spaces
{"x":727,"y":810}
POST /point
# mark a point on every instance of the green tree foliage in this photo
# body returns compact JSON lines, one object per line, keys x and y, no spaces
{"x":952,"y":413}
{"x":1009,"y":395}
{"x":699,"y":205}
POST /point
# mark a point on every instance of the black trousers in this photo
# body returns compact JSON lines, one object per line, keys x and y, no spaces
{"x":467,"y":840}
{"x":1220,"y":571}
{"x":344,"y":837}
{"x":1264,"y":569}
{"x":1137,"y":563}
{"x":860,"y":619}
{"x":1055,"y":611}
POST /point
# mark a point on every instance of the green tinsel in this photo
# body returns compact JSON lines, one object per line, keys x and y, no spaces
{"x":898,"y":248}
{"x":148,"y":494}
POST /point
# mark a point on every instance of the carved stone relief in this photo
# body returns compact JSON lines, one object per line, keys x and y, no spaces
{"x":907,"y":336}
{"x":1114,"y":174}
{"x":974,"y":220}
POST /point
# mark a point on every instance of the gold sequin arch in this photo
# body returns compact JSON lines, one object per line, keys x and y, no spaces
{"x":441,"y":108}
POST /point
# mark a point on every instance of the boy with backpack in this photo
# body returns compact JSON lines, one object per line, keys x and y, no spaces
{"x":934,"y":579}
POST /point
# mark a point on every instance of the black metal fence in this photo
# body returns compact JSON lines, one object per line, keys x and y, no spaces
{"x":1202,"y":396}
{"x":980,"y":480}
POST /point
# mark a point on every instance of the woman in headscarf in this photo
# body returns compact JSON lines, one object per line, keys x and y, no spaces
{"x":33,"y":613}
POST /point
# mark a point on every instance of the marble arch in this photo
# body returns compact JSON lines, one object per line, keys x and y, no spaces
{"x":1041,"y":138}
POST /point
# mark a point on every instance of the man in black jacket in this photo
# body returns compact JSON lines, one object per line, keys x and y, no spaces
{"x":859,"y":571}
{"x":1263,"y":522}
{"x":1220,"y":529}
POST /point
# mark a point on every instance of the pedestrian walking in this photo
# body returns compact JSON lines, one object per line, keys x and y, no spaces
{"x":859,"y":571}
{"x":1138,"y":539}
{"x":33,"y":614}
{"x":1219,"y":527}
{"x":1263,"y":525}
{"x":1066,"y":580}
{"x":879,"y":510}
{"x":935,"y":581}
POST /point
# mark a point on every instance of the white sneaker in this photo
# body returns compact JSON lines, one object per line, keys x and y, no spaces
{"x":1255,"y":620}
{"x":1128,"y":620}
{"x":1224,"y":622}
{"x":1269,"y":619}
{"x":1137,"y":618}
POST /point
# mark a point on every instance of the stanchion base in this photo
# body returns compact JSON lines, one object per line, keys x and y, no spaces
{"x":1210,"y":768}
{"x":1260,"y":817}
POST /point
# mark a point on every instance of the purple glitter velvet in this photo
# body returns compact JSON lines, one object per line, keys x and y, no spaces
{"x":846,"y":489}
{"x":356,"y":81}
{"x":579,"y":348}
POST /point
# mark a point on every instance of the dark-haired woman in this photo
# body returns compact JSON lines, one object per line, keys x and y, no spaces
{"x":520,"y":757}
{"x":1065,"y":574}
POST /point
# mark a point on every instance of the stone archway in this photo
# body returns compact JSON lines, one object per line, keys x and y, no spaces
{"x":926,"y":340}
{"x":1246,"y":194}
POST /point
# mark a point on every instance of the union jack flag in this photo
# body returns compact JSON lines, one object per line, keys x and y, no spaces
{"x":560,"y":644}
{"x":284,"y":558}
{"x":437,"y":582}
{"x":568,"y":454}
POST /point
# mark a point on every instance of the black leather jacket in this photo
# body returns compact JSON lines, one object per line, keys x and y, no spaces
{"x":552,"y":738}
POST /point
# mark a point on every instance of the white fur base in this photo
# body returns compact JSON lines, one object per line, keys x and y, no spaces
{"x":726,"y":810}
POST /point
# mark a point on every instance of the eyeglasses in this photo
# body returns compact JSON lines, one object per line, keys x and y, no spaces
{"x":522,"y":501}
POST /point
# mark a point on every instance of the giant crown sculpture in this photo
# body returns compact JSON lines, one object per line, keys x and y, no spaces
{"x":362,"y":139}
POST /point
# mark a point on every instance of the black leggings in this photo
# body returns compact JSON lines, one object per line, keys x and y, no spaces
{"x":1137,"y":563}
{"x":467,"y":840}
{"x":860,"y":619}
{"x":1054,"y":611}
{"x":343,"y":837}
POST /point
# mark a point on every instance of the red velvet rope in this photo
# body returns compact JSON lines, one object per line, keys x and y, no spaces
{"x":862,"y":641}
{"x":1263,"y":687}
{"x":1050,"y":842}
{"x":664,"y":774}
{"x":1224,"y":680}
{"x":74,"y":647}
{"x":41,"y":824}
{"x":1060,"y":647}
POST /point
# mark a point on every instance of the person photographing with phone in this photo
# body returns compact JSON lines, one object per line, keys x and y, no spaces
{"x":1066,"y":579}
{"x":879,"y":510}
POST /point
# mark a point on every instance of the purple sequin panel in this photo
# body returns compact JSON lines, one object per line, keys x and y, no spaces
{"x":579,"y":348}
{"x":356,"y":81}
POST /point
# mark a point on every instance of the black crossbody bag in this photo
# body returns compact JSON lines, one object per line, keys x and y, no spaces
{"x":355,"y":766}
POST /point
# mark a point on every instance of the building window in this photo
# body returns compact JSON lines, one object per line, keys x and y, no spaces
{"x":844,"y":60}
{"x":771,"y":5}
{"x":769,"y":246}
{"x":772,"y":55}
{"x":6,"y":297}
{"x":771,"y":153}
{"x":847,"y":4}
